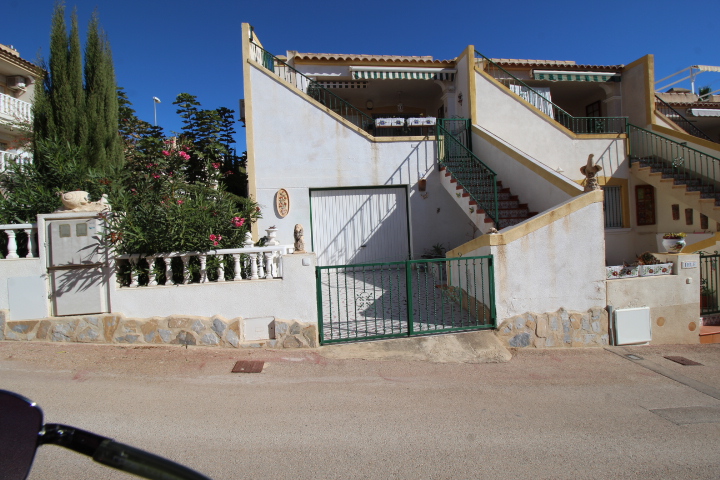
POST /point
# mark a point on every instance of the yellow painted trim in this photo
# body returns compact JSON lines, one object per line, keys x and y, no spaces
{"x":703,"y":244}
{"x":650,"y":89}
{"x":249,"y":129}
{"x":544,"y":117}
{"x":624,"y":185}
{"x":673,"y":126}
{"x":537,"y":222}
{"x":686,"y":137}
{"x":529,"y":164}
{"x":468,"y":52}
{"x":472,"y":94}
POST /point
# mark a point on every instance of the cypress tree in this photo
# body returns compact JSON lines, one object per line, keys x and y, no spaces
{"x":76,"y":122}
{"x":103,"y":142}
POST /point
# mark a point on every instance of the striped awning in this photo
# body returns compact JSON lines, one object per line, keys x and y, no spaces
{"x":402,"y":73}
{"x":560,"y":76}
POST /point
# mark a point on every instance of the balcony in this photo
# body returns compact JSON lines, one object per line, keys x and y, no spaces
{"x":14,"y":110}
{"x":8,"y":157}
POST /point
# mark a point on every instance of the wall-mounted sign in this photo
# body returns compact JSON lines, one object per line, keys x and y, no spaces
{"x":282,"y":202}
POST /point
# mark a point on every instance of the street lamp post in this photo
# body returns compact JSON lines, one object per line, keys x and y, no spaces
{"x":156,"y":100}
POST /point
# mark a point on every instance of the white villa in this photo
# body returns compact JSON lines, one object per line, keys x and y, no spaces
{"x":17,"y":89}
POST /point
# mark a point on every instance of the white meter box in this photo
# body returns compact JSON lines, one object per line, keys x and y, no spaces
{"x":76,"y":242}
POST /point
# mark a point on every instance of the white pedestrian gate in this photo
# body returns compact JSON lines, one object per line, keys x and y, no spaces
{"x":360,"y":225}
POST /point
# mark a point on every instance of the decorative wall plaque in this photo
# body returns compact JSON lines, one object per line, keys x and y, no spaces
{"x":282,"y":202}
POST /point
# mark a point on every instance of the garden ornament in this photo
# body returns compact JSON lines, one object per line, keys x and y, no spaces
{"x":590,"y":170}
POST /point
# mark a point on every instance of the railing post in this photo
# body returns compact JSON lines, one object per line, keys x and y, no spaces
{"x":253,"y":266}
{"x":186,"y":271}
{"x":32,"y":244}
{"x":237,"y":267}
{"x":152,"y":276}
{"x":203,"y":268}
{"x":409,"y":294}
{"x":168,"y":271}
{"x":221,"y":269}
{"x":12,"y":244}
{"x":134,"y":277}
{"x":268,"y":265}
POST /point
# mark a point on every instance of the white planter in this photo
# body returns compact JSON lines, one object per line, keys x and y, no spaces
{"x":673,"y":245}
{"x":653,"y":270}
{"x":620,"y":271}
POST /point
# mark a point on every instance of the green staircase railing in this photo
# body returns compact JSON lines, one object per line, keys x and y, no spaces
{"x":574,"y":124}
{"x":310,"y":87}
{"x":677,"y":118}
{"x":696,"y":169}
{"x":471,"y":173}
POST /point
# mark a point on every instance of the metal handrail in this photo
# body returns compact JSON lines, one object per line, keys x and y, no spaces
{"x":470,"y":172}
{"x":677,"y":118}
{"x":574,"y":124}
{"x":311,"y":87}
{"x":698,"y":170}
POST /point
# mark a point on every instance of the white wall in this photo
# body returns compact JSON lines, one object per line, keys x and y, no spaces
{"x":501,"y":112}
{"x":298,"y":146}
{"x":291,"y":297}
{"x":539,"y":193}
{"x":560,"y":265}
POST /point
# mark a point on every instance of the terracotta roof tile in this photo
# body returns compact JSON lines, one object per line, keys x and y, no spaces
{"x":555,"y":64}
{"x":369,"y":58}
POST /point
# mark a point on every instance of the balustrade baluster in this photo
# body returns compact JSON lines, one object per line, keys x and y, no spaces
{"x":236,"y":265}
{"x":268,"y":265}
{"x":168,"y":271}
{"x":31,"y":244}
{"x":12,"y":244}
{"x":253,"y":266}
{"x":260,"y":265}
{"x":203,"y":268}
{"x":186,"y":271}
{"x":152,"y":276}
{"x":221,"y":269}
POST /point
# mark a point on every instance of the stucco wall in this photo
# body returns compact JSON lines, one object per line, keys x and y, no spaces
{"x":674,"y":300}
{"x":558,"y":263}
{"x":291,"y":297}
{"x":18,"y":269}
{"x":504,"y":114}
{"x":297,"y":145}
{"x":635,"y":94}
{"x":534,"y":183}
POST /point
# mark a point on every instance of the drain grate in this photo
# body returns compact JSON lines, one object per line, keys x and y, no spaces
{"x":682,"y":360}
{"x":248,"y":366}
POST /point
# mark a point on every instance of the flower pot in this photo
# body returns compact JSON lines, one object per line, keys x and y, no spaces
{"x":272,"y":234}
{"x":653,"y":270}
{"x":673,"y":245}
{"x":620,"y":271}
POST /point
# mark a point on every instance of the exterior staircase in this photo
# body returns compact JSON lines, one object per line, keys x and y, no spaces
{"x":688,"y":175}
{"x":510,"y":210}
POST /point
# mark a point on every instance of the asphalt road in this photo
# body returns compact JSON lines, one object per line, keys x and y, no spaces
{"x":583,"y":413}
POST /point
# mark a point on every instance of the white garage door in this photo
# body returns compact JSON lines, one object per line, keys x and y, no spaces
{"x":367,"y":225}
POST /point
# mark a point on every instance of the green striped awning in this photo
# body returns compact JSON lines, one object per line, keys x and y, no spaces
{"x":391,"y":75}
{"x":576,"y":76}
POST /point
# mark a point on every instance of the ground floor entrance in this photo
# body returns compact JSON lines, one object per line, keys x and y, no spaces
{"x":394,"y":299}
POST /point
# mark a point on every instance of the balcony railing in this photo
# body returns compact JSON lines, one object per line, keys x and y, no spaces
{"x":309,"y":86}
{"x":13,"y":157}
{"x":14,"y":109}
{"x":234,"y":264}
{"x":679,"y":120}
{"x":26,"y":233}
{"x":580,"y":125}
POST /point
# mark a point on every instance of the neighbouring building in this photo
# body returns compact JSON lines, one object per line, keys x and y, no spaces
{"x":17,"y":90}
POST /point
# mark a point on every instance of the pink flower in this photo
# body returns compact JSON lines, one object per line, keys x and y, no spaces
{"x":238,"y":222}
{"x":216,"y":166}
{"x":184,"y":156}
{"x":229,"y":172}
{"x":166,"y":153}
{"x":156,"y":175}
{"x":215,"y":238}
{"x":180,"y":202}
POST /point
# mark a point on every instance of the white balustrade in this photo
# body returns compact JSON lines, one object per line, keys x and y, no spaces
{"x":13,"y":157}
{"x":14,"y":109}
{"x":249,"y":263}
{"x":12,"y":248}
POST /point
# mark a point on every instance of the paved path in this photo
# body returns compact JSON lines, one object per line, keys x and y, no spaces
{"x":552,"y":414}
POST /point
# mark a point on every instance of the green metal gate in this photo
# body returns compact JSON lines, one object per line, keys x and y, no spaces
{"x":709,"y":284}
{"x":399,"y":299}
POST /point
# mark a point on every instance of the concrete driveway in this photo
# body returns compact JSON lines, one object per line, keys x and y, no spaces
{"x":555,"y":414}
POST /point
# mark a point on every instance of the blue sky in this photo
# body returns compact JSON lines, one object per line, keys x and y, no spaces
{"x":166,"y":48}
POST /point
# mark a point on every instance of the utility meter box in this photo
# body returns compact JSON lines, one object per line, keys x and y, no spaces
{"x":78,"y":266}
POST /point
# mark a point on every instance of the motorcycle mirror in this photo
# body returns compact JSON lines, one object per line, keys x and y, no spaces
{"x":22,"y":431}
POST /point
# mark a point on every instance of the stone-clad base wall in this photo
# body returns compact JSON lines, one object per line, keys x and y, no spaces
{"x":175,"y":329}
{"x":558,"y":329}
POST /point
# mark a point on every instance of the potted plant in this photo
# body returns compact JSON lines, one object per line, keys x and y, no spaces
{"x":650,"y":265}
{"x":707,"y":296}
{"x":673,"y":242}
